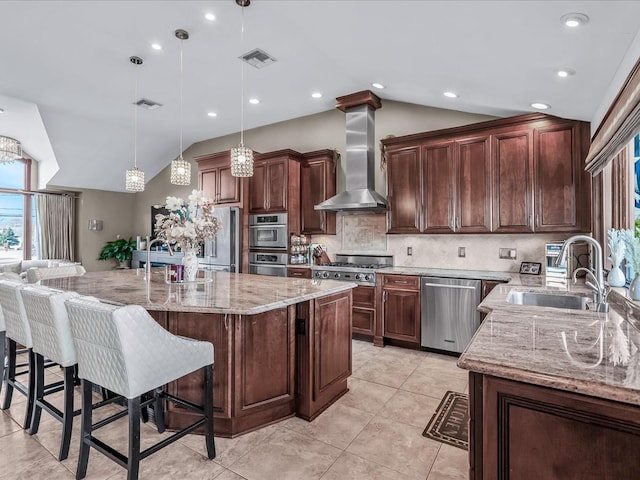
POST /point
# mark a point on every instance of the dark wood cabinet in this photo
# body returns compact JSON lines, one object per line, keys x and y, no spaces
{"x":216,"y":181}
{"x":485,"y":289}
{"x":299,"y":272}
{"x":438,"y":169}
{"x":364,"y":310}
{"x":518,"y":430}
{"x":275,"y":184}
{"x":317,"y":184}
{"x":404,"y":189}
{"x":513,"y":181}
{"x":560,"y":193}
{"x":323,"y":352}
{"x":515,"y":175}
{"x":401,"y":308}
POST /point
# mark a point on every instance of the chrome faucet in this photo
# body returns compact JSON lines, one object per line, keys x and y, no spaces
{"x":147,"y":266}
{"x":596,"y":272}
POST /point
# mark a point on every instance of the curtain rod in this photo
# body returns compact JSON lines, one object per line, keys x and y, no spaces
{"x":32,"y":192}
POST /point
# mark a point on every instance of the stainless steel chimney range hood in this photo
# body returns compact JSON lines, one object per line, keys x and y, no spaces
{"x":360,"y":194}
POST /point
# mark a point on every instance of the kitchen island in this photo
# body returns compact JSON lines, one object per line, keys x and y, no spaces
{"x":554,"y":393}
{"x":282,"y":346}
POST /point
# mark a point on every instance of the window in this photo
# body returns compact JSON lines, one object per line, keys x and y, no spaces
{"x":17,"y":215}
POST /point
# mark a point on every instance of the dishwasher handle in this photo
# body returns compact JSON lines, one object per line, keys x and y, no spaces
{"x":440,"y":285}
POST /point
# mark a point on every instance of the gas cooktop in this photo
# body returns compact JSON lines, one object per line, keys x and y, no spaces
{"x":353,"y":268}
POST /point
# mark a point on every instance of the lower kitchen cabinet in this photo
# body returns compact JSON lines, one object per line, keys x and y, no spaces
{"x":298,"y":272}
{"x":523,"y":431}
{"x":364,"y":310}
{"x":401,"y":308}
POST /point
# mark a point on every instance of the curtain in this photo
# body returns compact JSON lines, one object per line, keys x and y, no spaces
{"x":619,"y":125}
{"x":56,"y":224}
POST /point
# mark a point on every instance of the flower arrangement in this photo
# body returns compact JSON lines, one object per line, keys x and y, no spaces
{"x":616,"y":246}
{"x":187,"y":225}
{"x":632,"y":249}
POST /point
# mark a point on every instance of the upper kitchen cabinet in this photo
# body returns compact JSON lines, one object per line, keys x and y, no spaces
{"x":515,"y":175}
{"x":215,"y":180}
{"x":317,"y":184}
{"x":403,"y":190}
{"x":275,"y":184}
{"x":562,"y":186}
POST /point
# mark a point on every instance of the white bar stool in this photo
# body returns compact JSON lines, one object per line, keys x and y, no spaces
{"x":124,"y":350}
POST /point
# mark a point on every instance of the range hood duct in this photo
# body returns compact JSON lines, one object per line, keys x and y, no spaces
{"x":360,"y":191}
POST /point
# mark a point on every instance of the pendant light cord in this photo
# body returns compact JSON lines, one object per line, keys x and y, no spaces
{"x":242,"y":81}
{"x":135,"y":119}
{"x":181,"y":89}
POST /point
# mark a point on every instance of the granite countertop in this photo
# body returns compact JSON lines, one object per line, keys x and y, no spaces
{"x":234,"y":293}
{"x":450,"y":273}
{"x":591,"y":353}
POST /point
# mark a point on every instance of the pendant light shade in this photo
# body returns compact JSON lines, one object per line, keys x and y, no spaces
{"x":180,"y":168}
{"x":241,"y":156}
{"x":134,"y":180}
{"x":241,"y":161}
{"x":134,"y":177}
{"x":10,"y":149}
{"x":180,"y":171}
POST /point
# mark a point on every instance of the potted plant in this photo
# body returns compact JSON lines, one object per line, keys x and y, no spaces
{"x":120,"y":249}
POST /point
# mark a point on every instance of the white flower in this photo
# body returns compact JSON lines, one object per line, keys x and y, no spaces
{"x":616,"y":246}
{"x":187,"y":225}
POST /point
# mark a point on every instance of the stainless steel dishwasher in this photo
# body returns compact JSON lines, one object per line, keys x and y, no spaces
{"x":449,"y":312}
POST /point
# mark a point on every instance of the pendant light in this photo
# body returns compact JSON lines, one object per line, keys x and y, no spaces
{"x":10,"y":149}
{"x":241,"y":156}
{"x":134,"y":178}
{"x":181,"y":168}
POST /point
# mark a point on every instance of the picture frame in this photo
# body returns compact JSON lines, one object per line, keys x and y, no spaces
{"x":530,"y":268}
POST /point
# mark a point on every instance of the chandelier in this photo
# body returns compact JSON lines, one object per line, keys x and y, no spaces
{"x":10,"y":149}
{"x":181,"y":168}
{"x":241,"y":156}
{"x":134,"y":177}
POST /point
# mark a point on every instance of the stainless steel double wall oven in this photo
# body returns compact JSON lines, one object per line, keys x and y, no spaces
{"x":268,"y":244}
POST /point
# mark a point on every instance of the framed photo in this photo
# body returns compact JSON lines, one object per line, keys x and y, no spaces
{"x":530,"y":268}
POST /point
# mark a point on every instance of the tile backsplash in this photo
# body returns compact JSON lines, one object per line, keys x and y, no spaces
{"x":364,"y":233}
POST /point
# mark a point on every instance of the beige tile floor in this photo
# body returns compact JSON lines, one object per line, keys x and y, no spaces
{"x":373,"y":432}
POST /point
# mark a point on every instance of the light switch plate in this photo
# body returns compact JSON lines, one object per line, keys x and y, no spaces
{"x":508,"y":253}
{"x":462,"y":252}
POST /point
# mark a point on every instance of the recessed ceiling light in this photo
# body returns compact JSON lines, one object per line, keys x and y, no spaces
{"x":254,"y":101}
{"x":450,"y":94}
{"x":156,"y":46}
{"x":1,"y":110}
{"x":209,"y":16}
{"x":377,"y":85}
{"x":316,"y":95}
{"x":212,"y":114}
{"x":565,"y":72}
{"x":574,"y":20}
{"x":540,"y":106}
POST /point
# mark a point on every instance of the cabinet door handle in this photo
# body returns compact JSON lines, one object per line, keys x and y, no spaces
{"x":384,"y":296}
{"x":537,"y":219}
{"x":400,"y":281}
{"x":457,"y":222}
{"x":226,"y":322}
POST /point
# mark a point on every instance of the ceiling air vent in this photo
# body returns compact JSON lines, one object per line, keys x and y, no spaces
{"x":258,"y":58}
{"x":148,"y":104}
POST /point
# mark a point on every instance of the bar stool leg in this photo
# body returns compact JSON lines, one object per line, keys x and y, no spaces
{"x":133,"y":467}
{"x":208,"y":411}
{"x":31,"y":392}
{"x":85,"y":430}
{"x":38,"y":391}
{"x":3,"y":346}
{"x":67,"y":413}
{"x":158,"y":410}
{"x":10,"y":374}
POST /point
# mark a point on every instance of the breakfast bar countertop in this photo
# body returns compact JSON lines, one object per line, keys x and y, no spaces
{"x":595,"y":354}
{"x":217,"y":292}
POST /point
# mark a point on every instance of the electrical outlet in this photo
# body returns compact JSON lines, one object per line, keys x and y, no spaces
{"x":508,"y":253}
{"x":409,"y":251}
{"x":462,"y":252}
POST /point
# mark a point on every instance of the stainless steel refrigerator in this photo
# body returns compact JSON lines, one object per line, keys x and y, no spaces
{"x":224,"y":252}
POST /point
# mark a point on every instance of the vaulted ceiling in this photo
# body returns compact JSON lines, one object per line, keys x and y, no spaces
{"x":67,"y":85}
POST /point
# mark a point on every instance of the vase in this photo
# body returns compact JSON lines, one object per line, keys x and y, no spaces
{"x":634,"y":288}
{"x":190,"y":263}
{"x":616,"y":277}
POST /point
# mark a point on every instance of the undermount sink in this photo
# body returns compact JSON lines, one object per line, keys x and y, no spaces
{"x":540,"y":299}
